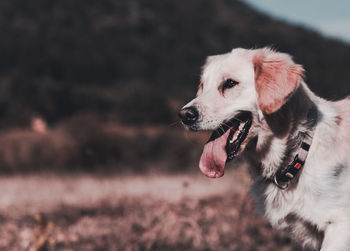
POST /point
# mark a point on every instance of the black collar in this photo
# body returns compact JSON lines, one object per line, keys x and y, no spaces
{"x":283,"y":176}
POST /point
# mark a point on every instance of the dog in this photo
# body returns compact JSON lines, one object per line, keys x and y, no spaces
{"x":296,"y":144}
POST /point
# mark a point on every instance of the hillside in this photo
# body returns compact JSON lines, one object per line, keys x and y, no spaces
{"x":123,"y":59}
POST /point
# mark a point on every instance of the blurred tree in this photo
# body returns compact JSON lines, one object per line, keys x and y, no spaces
{"x":60,"y":58}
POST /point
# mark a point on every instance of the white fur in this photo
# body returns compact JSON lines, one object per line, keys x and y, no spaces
{"x":320,"y":197}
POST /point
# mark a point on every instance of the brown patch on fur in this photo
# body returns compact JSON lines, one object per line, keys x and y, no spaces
{"x":338,"y":120}
{"x":279,"y":122}
{"x":301,"y":229}
{"x":276,"y":78}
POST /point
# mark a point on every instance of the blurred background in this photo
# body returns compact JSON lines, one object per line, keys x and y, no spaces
{"x":92,"y":154}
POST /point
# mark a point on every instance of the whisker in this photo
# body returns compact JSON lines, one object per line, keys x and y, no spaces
{"x":222,"y":129}
{"x":238,"y":120}
{"x":225,"y":124}
{"x":228,"y":125}
{"x":175,"y":123}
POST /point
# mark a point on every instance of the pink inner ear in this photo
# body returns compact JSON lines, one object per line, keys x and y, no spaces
{"x":276,"y":78}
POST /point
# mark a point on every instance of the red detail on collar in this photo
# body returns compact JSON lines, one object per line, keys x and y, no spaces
{"x":297,"y":165}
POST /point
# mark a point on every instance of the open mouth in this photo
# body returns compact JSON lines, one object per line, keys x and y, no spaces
{"x":224,"y":144}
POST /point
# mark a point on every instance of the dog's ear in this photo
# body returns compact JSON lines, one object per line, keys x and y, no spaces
{"x":276,"y":78}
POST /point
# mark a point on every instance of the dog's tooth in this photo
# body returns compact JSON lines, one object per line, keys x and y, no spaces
{"x":233,"y":137}
{"x":241,"y":125}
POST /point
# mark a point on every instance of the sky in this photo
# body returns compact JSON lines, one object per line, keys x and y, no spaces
{"x":331,"y":18}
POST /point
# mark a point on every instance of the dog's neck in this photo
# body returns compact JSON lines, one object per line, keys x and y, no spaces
{"x":292,"y":114}
{"x":277,"y":147}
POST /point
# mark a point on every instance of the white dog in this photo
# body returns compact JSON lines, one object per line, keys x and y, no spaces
{"x":297,"y":144}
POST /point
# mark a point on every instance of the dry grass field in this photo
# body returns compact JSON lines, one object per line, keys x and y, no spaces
{"x":148,"y":212}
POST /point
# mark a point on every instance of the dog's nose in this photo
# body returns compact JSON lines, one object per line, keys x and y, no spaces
{"x":189,"y":115}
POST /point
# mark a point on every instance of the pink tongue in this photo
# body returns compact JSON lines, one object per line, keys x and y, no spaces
{"x":213,"y":159}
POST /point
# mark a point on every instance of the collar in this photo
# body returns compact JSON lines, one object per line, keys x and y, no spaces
{"x":283,"y":176}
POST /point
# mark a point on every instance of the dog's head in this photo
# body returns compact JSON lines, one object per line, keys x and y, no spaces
{"x":236,"y":90}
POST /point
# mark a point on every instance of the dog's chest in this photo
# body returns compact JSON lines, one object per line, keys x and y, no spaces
{"x":279,"y":210}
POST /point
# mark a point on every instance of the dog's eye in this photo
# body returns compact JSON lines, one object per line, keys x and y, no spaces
{"x":229,"y":83}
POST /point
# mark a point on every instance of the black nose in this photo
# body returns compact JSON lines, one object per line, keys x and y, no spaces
{"x":189,"y":115}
